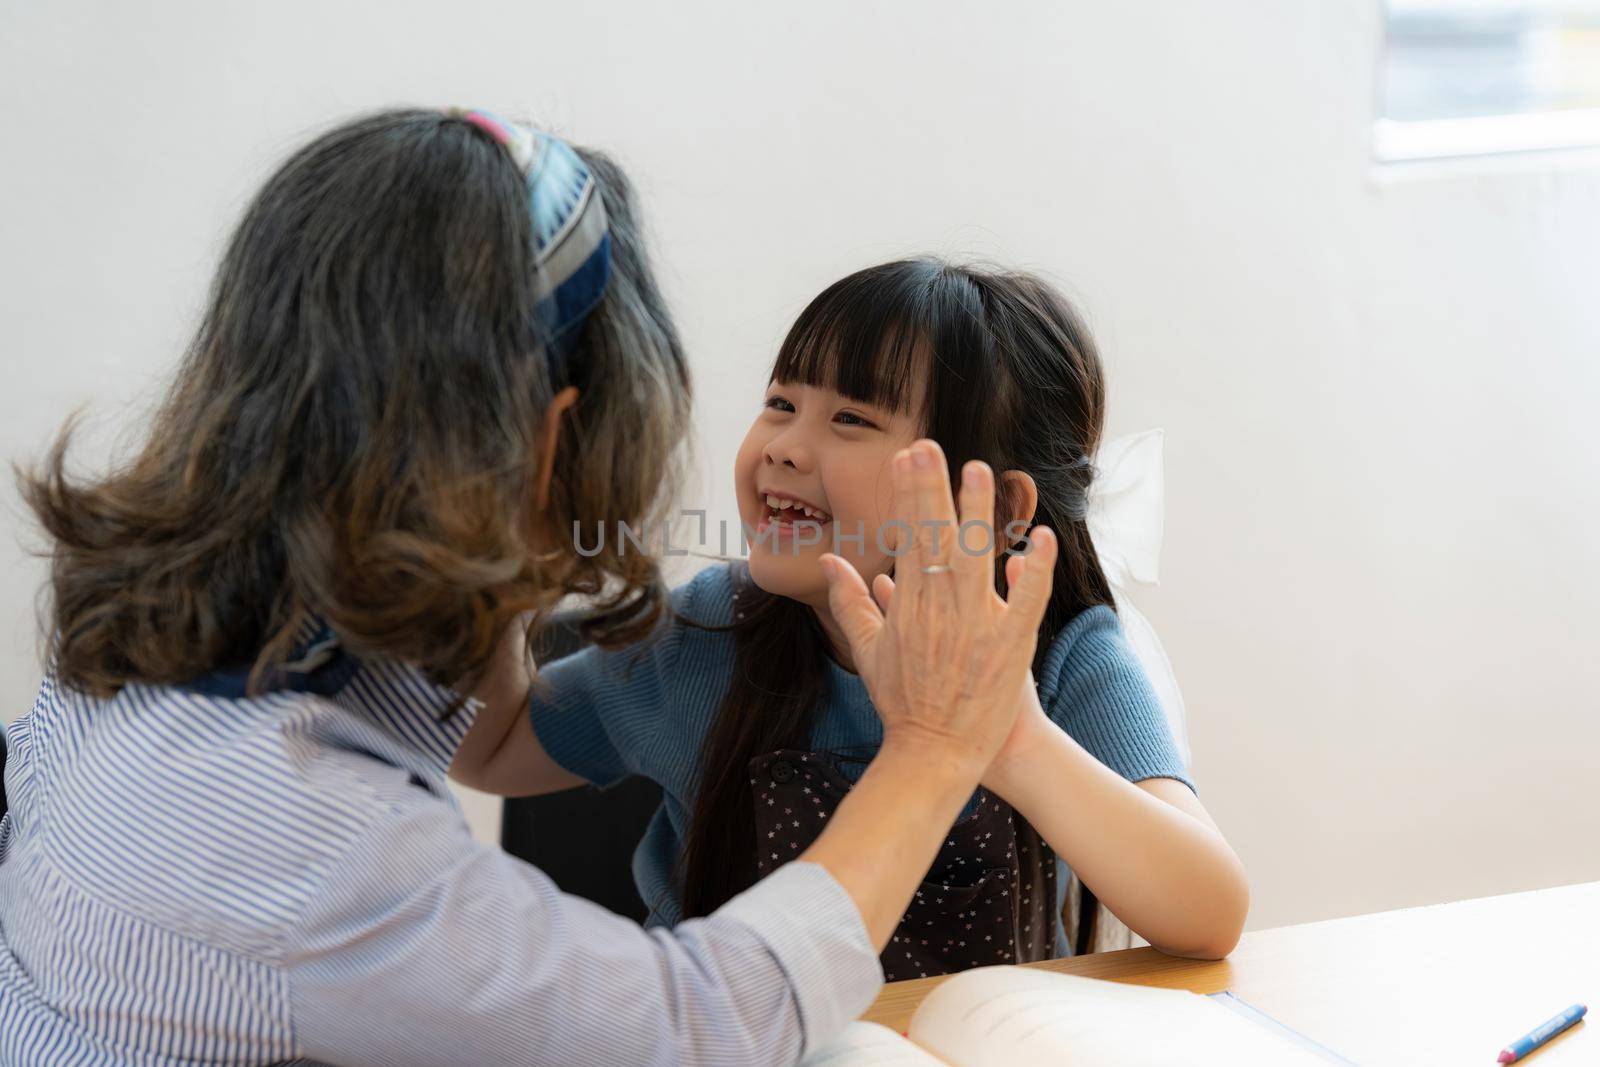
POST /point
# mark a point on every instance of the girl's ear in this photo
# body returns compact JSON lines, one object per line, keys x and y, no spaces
{"x":1019,"y":495}
{"x":559,"y":406}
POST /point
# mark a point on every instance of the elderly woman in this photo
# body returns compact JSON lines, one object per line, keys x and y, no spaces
{"x":433,"y":347}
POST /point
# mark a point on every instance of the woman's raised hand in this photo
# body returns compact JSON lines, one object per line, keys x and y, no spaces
{"x":947,"y":661}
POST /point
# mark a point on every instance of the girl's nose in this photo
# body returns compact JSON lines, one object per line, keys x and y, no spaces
{"x":787,"y":450}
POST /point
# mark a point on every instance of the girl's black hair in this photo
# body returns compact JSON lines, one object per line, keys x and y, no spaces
{"x":1012,"y":378}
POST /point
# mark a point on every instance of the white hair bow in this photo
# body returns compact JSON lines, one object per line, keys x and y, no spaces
{"x":1125,"y":518}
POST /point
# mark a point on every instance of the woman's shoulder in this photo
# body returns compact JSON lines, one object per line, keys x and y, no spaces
{"x":279,"y":785}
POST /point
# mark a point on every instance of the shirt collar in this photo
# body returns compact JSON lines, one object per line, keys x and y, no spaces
{"x":316,"y":664}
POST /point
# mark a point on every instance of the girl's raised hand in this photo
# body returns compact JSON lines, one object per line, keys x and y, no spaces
{"x":945,"y":664}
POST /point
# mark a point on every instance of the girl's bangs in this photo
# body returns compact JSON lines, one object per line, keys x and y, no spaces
{"x":863,"y":337}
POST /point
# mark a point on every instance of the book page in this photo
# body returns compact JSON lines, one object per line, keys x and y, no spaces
{"x":869,"y":1045}
{"x":1011,"y":1016}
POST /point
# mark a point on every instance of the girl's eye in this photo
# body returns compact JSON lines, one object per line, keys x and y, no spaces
{"x":850,"y":418}
{"x":778,"y":403}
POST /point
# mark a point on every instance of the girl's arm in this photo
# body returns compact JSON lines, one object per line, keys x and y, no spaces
{"x":500,"y":753}
{"x":1149,"y":850}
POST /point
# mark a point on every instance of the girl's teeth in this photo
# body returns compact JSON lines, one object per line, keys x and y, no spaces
{"x":779,"y":503}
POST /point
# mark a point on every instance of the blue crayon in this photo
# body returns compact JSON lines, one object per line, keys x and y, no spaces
{"x":1540,"y":1034}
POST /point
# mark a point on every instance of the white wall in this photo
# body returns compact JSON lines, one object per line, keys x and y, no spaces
{"x":1379,"y":393}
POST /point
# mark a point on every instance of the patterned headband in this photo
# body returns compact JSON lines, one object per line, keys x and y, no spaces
{"x":571,"y":235}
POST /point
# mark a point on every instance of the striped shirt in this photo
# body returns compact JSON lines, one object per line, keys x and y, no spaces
{"x":191,"y":876}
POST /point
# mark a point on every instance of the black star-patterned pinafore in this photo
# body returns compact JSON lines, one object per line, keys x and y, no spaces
{"x":990,"y":896}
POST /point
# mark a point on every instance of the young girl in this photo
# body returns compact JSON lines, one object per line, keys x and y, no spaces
{"x":744,"y":706}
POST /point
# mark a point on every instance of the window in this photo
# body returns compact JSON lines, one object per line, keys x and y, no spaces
{"x":1467,"y":77}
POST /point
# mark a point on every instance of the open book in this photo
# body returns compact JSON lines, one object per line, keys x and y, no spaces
{"x":1018,"y":1016}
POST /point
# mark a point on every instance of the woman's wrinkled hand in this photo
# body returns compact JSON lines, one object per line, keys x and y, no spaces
{"x":944,"y":658}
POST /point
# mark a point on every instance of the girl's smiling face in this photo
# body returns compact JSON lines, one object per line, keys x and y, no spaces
{"x":814,"y":467}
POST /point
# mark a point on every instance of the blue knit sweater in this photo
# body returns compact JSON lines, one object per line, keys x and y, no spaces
{"x":645,"y":710}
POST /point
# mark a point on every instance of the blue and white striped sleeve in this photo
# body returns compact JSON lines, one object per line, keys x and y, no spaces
{"x":424,"y":947}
